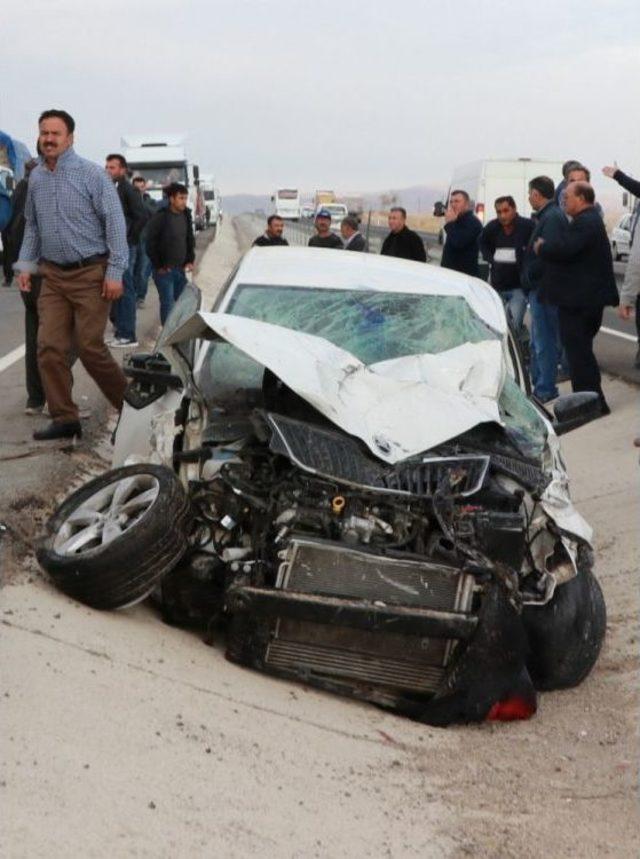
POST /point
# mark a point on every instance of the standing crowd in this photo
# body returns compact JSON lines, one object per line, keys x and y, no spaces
{"x":84,"y":242}
{"x":556,"y":263}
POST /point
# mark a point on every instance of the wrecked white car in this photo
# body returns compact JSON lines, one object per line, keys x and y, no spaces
{"x":342,"y":465}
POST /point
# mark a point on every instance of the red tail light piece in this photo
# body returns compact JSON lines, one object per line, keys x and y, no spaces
{"x":511,"y":709}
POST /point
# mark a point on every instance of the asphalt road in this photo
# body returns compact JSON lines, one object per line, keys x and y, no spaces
{"x":127,"y":736}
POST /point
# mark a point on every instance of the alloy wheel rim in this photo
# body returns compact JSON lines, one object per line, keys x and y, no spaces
{"x":108,"y":514}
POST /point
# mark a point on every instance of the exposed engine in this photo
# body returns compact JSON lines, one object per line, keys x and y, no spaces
{"x":396,"y":583}
{"x":259,"y":501}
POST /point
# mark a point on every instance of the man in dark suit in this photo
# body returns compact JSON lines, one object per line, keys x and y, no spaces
{"x":578,"y":279}
{"x":401,"y":241}
{"x":462,"y":231}
{"x":353,"y":238}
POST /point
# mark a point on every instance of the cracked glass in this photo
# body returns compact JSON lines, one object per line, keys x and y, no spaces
{"x":373,"y":326}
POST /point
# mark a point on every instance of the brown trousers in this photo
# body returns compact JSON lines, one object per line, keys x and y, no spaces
{"x":73,"y":315}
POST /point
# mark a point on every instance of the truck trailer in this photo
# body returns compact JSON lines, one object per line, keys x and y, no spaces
{"x":162,"y":160}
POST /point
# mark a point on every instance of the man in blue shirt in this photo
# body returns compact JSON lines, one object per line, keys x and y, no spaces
{"x":75,"y":237}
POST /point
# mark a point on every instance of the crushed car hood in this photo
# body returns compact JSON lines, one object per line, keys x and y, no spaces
{"x":398,"y":408}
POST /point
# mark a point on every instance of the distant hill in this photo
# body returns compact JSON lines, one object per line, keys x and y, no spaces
{"x":417,"y":199}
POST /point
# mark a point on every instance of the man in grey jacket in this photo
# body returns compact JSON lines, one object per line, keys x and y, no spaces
{"x":630,"y":291}
{"x":631,"y":285}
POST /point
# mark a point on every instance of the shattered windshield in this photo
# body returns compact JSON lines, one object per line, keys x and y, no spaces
{"x":373,"y":326}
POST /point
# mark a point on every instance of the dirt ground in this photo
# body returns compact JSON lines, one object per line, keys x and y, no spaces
{"x":126,"y":737}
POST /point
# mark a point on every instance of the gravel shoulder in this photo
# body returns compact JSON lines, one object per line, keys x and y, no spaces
{"x":126,"y":737}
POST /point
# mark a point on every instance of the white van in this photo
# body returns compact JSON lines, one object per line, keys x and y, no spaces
{"x":485,"y":180}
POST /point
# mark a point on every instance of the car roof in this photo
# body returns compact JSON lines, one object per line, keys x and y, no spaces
{"x":324,"y":268}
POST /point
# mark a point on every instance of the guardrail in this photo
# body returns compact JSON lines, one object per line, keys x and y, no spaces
{"x":299,"y":233}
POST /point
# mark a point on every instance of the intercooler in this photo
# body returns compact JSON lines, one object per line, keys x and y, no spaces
{"x":339,"y":615}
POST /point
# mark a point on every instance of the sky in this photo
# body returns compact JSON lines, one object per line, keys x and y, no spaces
{"x":356,"y":96}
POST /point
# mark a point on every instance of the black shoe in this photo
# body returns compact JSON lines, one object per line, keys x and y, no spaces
{"x":70,"y":429}
{"x":604,"y":407}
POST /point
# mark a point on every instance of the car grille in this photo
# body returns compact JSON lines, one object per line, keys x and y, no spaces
{"x":457,"y":475}
{"x":528,"y":475}
{"x":339,"y":457}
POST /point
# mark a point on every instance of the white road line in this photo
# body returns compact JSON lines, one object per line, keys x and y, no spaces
{"x":620,"y":334}
{"x":11,"y":357}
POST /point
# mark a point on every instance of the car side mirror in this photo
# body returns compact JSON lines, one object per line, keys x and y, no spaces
{"x":438,"y":209}
{"x":574,"y":410}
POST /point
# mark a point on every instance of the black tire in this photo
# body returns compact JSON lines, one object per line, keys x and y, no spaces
{"x":125,"y":570}
{"x":565,"y":636}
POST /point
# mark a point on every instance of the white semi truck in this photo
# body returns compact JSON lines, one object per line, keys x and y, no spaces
{"x":212,"y":201}
{"x":162,"y":159}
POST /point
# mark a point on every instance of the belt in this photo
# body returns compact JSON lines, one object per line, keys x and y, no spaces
{"x":81,"y":263}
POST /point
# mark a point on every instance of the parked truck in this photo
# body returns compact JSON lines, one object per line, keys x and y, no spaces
{"x":162,"y":159}
{"x":321,"y":198}
{"x":212,"y":201}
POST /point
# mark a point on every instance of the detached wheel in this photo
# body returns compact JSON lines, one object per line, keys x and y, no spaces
{"x":113,"y":539}
{"x":566,"y":635}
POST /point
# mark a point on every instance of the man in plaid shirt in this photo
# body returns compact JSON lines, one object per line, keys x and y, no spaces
{"x":75,"y":237}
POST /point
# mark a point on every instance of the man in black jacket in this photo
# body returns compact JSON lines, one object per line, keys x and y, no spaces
{"x":462,"y":232}
{"x":350,"y":232}
{"x":142,"y":267}
{"x":135,"y":215}
{"x":401,"y":241}
{"x":578,"y":279}
{"x":502,"y":243}
{"x":273,"y":233}
{"x":171,"y":247}
{"x":13,"y":241}
{"x":550,"y":223}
